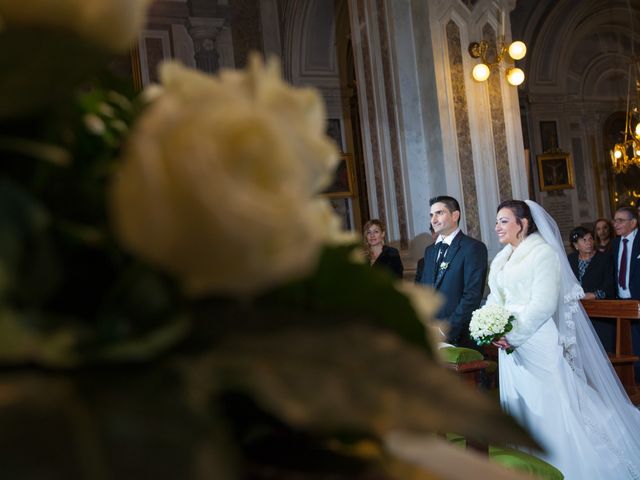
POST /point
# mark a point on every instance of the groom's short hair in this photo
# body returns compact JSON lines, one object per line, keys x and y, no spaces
{"x":449,"y":202}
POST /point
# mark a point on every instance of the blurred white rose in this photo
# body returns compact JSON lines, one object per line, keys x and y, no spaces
{"x":219,"y":177}
{"x":425,"y":302}
{"x":113,"y":24}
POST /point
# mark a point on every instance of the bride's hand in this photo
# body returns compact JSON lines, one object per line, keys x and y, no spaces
{"x":502,"y":343}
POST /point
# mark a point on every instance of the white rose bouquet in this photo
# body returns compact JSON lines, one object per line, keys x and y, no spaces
{"x":490,"y":323}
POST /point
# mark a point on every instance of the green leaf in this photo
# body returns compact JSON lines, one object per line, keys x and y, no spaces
{"x":35,"y":149}
{"x":145,"y":347}
{"x":41,"y":68}
{"x":28,"y":261}
{"x":23,"y":342}
{"x":355,"y":292}
{"x":108,"y":424}
{"x":351,"y":379}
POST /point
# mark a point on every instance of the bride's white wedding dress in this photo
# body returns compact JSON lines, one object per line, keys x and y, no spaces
{"x":558,"y":382}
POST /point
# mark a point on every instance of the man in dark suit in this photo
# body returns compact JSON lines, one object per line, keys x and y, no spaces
{"x":626,"y":256}
{"x":456,"y":266}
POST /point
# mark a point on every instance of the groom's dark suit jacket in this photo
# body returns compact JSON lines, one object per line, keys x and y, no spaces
{"x":461,"y":283}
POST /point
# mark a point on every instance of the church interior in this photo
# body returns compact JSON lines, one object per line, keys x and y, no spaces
{"x":175,"y":302}
{"x":410,"y":120}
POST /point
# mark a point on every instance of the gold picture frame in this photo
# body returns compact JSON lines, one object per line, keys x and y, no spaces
{"x":343,"y":181}
{"x":555,"y":171}
{"x":152,"y":47}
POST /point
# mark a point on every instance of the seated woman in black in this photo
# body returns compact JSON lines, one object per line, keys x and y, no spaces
{"x":594,"y":271}
{"x":379,"y":254}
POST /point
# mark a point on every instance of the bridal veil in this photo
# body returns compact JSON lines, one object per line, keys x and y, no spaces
{"x":588,"y":359}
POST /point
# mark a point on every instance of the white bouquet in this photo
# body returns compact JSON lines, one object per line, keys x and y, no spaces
{"x":490,"y":323}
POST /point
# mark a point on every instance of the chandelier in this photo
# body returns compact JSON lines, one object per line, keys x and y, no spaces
{"x":627,"y":153}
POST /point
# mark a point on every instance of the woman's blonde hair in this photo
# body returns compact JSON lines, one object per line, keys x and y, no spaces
{"x":369,"y":224}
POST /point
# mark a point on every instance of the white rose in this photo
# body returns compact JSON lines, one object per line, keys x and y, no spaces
{"x":113,"y":24}
{"x":218,"y":180}
{"x":425,"y":302}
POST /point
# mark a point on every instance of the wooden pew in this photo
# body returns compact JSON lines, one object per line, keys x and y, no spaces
{"x":622,"y":312}
{"x":471,"y":372}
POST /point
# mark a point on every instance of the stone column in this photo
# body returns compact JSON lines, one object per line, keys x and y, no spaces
{"x":429,"y":129}
{"x":204,"y":33}
{"x":400,"y":136}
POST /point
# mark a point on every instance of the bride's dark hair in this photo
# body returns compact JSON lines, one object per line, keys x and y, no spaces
{"x":521,"y":210}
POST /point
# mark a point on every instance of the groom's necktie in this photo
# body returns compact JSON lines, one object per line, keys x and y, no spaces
{"x":442,"y":251}
{"x":622,"y":271}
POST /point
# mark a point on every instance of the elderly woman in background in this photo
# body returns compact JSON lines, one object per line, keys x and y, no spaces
{"x":592,"y":268}
{"x":603,"y":233}
{"x":379,"y":254}
{"x":594,"y":271}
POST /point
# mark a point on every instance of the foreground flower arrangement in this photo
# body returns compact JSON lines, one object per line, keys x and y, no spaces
{"x":219,"y":180}
{"x":175,"y":299}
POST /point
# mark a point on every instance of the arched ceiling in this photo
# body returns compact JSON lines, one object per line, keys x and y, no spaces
{"x":309,"y":53}
{"x":578,"y":48}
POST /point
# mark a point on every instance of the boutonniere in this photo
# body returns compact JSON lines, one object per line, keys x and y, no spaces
{"x":444,"y":266}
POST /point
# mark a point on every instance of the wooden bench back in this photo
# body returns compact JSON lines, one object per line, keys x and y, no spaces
{"x":612,"y":308}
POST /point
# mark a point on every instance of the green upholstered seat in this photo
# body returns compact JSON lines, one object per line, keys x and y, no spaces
{"x":459,"y":355}
{"x":515,"y":460}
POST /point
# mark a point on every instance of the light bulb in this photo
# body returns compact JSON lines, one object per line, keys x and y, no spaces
{"x":481,"y":72}
{"x":637,"y":130}
{"x":517,"y":50}
{"x":617,"y":153}
{"x":515,"y":76}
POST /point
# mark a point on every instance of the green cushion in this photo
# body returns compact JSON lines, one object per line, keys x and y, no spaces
{"x":457,"y":440}
{"x":459,"y":355}
{"x":516,"y":460}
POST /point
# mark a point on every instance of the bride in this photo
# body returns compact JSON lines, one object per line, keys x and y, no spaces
{"x":558,"y":383}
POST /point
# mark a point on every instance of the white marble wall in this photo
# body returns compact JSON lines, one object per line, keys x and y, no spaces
{"x":442,"y":123}
{"x":427,"y":128}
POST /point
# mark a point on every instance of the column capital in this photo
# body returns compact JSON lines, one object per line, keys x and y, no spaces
{"x":204,"y":33}
{"x":205,"y":27}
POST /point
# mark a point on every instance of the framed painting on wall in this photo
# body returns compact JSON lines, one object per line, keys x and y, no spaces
{"x":153,"y":46}
{"x":555,"y":171}
{"x":342,"y":185}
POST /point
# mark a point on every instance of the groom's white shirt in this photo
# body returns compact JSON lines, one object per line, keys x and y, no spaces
{"x":449,"y":238}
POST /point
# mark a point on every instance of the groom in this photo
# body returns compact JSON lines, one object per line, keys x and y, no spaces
{"x":456,"y":266}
